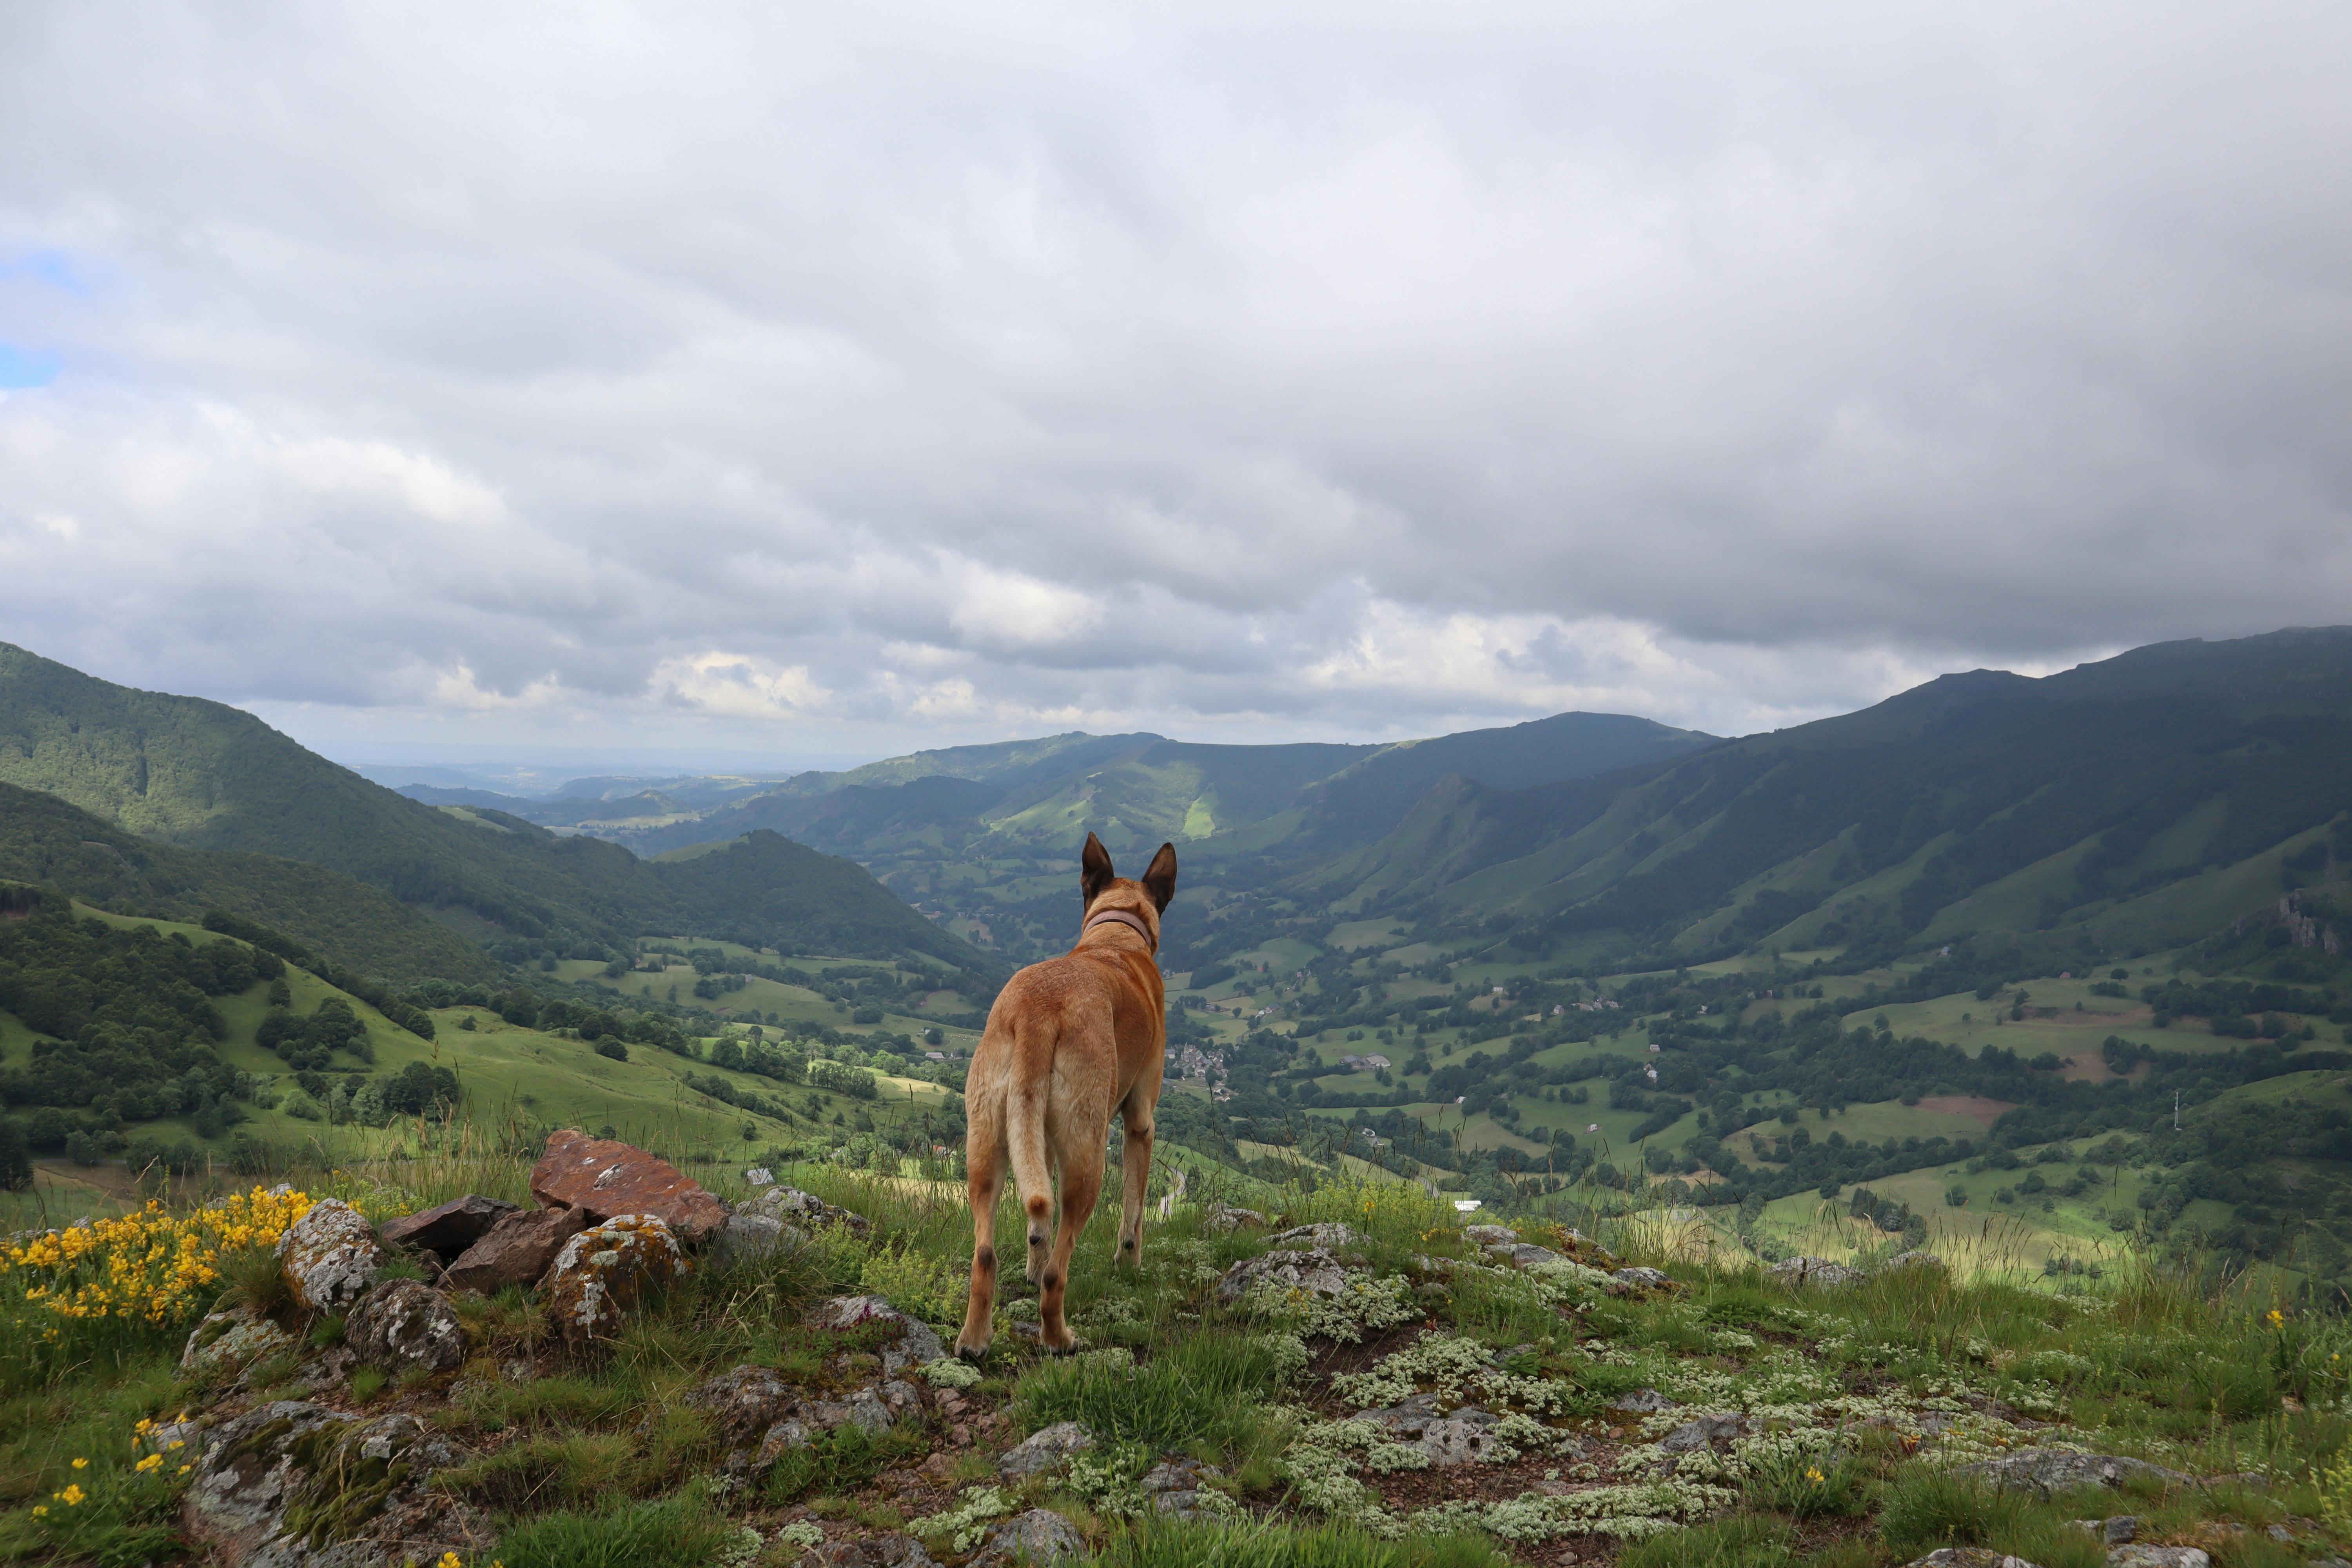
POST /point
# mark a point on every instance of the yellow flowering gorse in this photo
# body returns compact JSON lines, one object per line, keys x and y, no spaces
{"x":152,"y":1267}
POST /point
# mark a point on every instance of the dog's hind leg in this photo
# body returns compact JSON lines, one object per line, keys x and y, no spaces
{"x":1135,"y":1170}
{"x":1081,"y":1186}
{"x":985,"y":1157}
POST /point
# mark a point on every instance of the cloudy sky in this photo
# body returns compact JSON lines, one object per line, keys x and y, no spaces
{"x":840,"y":379}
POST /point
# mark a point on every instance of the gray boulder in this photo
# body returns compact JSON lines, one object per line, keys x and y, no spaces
{"x":405,"y":1325}
{"x":1967,"y":1557}
{"x":1315,"y":1271}
{"x":1913,"y":1259}
{"x":803,"y":1211}
{"x":1327,"y":1234}
{"x":1039,"y":1536}
{"x":1460,"y":1437}
{"x":2137,"y":1556}
{"x":1643,"y":1278}
{"x":917,"y":1344}
{"x":232,"y":1341}
{"x":296,"y":1485}
{"x":1796,"y":1271}
{"x":1642,"y":1402}
{"x":1703,"y":1433}
{"x":1489,"y":1235}
{"x":330,"y":1255}
{"x":893,"y":1551}
{"x":1044,"y":1449}
{"x":2048,"y":1470}
{"x":1223,"y":1219}
{"x":747,"y":1238}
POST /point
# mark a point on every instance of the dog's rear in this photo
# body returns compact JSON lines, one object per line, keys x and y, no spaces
{"x":1068,"y":1042}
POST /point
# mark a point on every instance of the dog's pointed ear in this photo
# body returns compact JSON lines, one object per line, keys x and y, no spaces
{"x":1094,"y":870}
{"x":1159,"y":881}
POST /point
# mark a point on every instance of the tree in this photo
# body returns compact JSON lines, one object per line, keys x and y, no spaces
{"x":16,"y":1160}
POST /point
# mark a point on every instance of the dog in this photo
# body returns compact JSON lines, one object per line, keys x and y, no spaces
{"x":1068,"y":1042}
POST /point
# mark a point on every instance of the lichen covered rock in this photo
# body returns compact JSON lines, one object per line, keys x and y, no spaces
{"x":1813,"y":1271}
{"x":604,"y":1272}
{"x":1314,"y":1271}
{"x":802,"y":1211}
{"x":232,"y":1340}
{"x":330,"y":1255}
{"x":405,"y":1325}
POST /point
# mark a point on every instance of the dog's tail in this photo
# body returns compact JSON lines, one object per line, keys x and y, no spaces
{"x":1029,"y":1086}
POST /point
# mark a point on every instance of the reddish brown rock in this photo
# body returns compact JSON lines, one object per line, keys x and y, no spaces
{"x":517,"y":1250}
{"x":607,"y":1179}
{"x":450,"y":1228}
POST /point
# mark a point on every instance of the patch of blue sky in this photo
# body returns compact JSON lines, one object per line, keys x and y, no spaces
{"x":59,"y":269}
{"x":22,"y":368}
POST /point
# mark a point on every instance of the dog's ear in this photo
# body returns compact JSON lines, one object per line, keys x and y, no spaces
{"x":1094,"y":871}
{"x":1159,"y":881}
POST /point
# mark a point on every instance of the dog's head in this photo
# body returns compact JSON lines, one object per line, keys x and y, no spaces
{"x":1105,"y":889}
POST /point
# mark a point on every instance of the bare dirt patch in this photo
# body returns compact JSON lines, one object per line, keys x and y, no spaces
{"x":1985,"y":1112}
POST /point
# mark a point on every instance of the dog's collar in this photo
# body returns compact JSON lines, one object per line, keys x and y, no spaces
{"x":1126,"y":918}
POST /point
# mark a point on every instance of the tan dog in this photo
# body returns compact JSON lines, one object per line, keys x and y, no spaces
{"x":1069,"y":1041}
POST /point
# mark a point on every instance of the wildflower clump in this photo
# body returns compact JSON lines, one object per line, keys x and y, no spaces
{"x":153,"y":1270}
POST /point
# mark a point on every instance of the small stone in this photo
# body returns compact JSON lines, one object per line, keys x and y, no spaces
{"x":1175,"y":1476}
{"x":329,"y":1256}
{"x":1643,"y":1278}
{"x":759,"y":1176}
{"x":1523,"y":1254}
{"x":1045,"y":1450}
{"x":2120,"y":1530}
{"x":1315,"y":1271}
{"x":232,"y":1340}
{"x":917,"y":1344}
{"x":1223,"y":1219}
{"x":1408,"y":1418}
{"x":1703,"y":1433}
{"x":609,"y":1179}
{"x":2136,"y":1556}
{"x":405,"y":1325}
{"x":1039,"y":1536}
{"x":804,"y":1211}
{"x":1460,"y":1439}
{"x":1643,"y":1401}
{"x":604,"y":1272}
{"x":518,"y":1249}
{"x":743,"y":1404}
{"x":1489,"y":1235}
{"x":1967,"y":1557}
{"x":2051,"y":1470}
{"x":892,"y":1551}
{"x":1303,"y":1238}
{"x":2280,"y":1533}
{"x":450,"y":1228}
{"x":747,"y":1238}
{"x":1914,"y":1259}
{"x":1813,"y":1271}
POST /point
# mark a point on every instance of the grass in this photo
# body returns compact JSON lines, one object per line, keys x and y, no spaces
{"x":677,"y":1533}
{"x":1204,"y":1392}
{"x":1289,"y":1546}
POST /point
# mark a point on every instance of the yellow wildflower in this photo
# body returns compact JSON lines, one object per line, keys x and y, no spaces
{"x":73,"y":1496}
{"x":149,"y":1462}
{"x":81,"y":1463}
{"x":41,"y":1510}
{"x":1813,"y":1475}
{"x":2278,"y":1318}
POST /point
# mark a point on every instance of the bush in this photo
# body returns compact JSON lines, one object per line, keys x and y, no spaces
{"x":612,"y":1047}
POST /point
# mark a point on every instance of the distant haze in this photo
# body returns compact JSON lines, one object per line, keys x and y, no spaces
{"x":782,"y":383}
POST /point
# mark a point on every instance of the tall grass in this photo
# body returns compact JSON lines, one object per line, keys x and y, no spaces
{"x":1282,"y":1545}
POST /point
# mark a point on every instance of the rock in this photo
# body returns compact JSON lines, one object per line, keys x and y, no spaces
{"x":1407,"y":1417}
{"x":1812,"y":1271}
{"x":1703,"y":1433}
{"x":2051,"y":1470}
{"x":517,"y":1250}
{"x":1175,"y":1489}
{"x":1643,"y":1278}
{"x":1914,"y":1259}
{"x":609,"y":1179}
{"x":759,"y":1176}
{"x":917,"y":1344}
{"x":1967,"y":1557}
{"x":744,"y":1404}
{"x":232,"y":1341}
{"x":2136,"y":1556}
{"x":1300,"y":1238}
{"x":1316,"y":1271}
{"x":1039,"y":1536}
{"x":405,"y":1325}
{"x":1642,"y":1402}
{"x":1460,"y":1439}
{"x":330,"y":1255}
{"x":1524,"y":1254}
{"x":804,"y":1211}
{"x":893,"y":1551}
{"x":747,"y":1238}
{"x":605,"y":1271}
{"x":450,"y":1228}
{"x":295,"y":1485}
{"x":1042,"y":1450}
{"x":2120,"y":1530}
{"x":1223,"y":1219}
{"x":1489,"y":1235}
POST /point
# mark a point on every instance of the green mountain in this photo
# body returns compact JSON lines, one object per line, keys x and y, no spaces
{"x":203,"y":776}
{"x":2136,"y":802}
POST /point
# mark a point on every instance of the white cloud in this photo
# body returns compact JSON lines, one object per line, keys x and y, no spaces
{"x":1227,"y":371}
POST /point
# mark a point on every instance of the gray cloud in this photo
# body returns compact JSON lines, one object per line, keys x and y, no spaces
{"x":837,"y":378}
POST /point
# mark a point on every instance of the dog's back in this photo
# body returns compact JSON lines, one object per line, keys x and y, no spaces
{"x":1069,"y":1042}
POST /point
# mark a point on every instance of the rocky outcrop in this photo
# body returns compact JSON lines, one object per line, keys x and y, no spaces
{"x":1642,"y":1278}
{"x":1704,"y":1432}
{"x":518,"y":1249}
{"x":232,"y":1341}
{"x":1794,"y":1271}
{"x":1330,"y":1236}
{"x":604,"y":1272}
{"x":1223,"y":1219}
{"x":1643,"y":1401}
{"x":608,"y":1179}
{"x":1037,"y":1537}
{"x":802,"y":1211}
{"x":1178,"y":1492}
{"x":2137,"y":1556}
{"x":1967,"y":1557}
{"x":917,"y":1344}
{"x":747,"y":1238}
{"x":1315,"y":1271}
{"x":758,"y":1415}
{"x":1044,"y":1449}
{"x":296,"y":1485}
{"x":330,"y":1255}
{"x":447,"y":1230}
{"x":891,"y":1551}
{"x":405,"y":1325}
{"x":2048,"y":1470}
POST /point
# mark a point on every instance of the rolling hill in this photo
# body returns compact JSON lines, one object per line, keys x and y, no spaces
{"x":201,"y":775}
